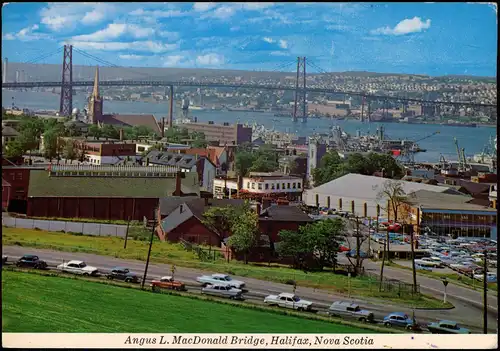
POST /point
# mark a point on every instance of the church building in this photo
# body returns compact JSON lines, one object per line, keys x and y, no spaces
{"x":97,"y":116}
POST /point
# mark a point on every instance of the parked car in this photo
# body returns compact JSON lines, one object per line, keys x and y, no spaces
{"x":167,"y":282}
{"x":425,"y":263}
{"x":353,"y":252}
{"x":423,"y":268}
{"x":78,"y":267}
{"x":287,"y":300}
{"x":399,"y":319}
{"x":4,"y":259}
{"x":121,"y":273}
{"x":438,"y":263}
{"x":31,"y":261}
{"x":221,"y":279}
{"x":223,"y":291}
{"x":342,"y":308}
{"x":447,"y":327}
{"x":490,"y":277}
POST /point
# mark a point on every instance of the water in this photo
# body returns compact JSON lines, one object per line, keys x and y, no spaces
{"x":472,"y":139}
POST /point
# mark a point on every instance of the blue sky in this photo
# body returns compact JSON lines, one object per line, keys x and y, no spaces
{"x":419,"y":38}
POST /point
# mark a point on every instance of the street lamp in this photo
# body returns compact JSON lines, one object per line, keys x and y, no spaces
{"x":445,"y":283}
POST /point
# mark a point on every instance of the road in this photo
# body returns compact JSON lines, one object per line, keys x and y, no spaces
{"x":257,"y":288}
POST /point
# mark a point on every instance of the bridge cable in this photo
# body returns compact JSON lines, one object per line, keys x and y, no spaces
{"x":43,"y":56}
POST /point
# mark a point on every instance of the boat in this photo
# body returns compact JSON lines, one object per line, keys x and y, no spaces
{"x":196,"y":108}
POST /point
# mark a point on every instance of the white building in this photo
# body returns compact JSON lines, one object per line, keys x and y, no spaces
{"x":362,"y":189}
{"x":262,"y":184}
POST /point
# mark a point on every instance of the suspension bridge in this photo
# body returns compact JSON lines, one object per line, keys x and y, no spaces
{"x":300,"y":87}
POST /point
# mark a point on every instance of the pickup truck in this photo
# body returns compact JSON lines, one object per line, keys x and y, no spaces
{"x":287,"y":300}
{"x":220,"y":279}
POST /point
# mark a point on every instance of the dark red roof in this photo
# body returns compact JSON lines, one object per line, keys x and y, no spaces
{"x":133,"y":120}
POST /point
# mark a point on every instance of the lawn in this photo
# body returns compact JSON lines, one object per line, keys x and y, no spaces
{"x":76,"y":306}
{"x":164,"y":252}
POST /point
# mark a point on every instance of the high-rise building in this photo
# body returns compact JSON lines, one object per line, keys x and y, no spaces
{"x":17,"y":76}
{"x":5,"y":68}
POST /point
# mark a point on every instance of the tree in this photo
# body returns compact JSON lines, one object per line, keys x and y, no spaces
{"x":52,"y":146}
{"x":220,"y":219}
{"x":198,"y":140}
{"x":245,"y":231}
{"x":243,"y":162}
{"x":95,"y":131}
{"x":175,"y":134}
{"x":319,"y":240}
{"x":69,"y":151}
{"x":109,"y":131}
{"x":265,"y":159}
{"x":393,"y":194}
{"x":331,"y":167}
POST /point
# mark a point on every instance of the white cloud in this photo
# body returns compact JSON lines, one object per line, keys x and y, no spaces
{"x":143,"y":46}
{"x":158,"y":13}
{"x":268,"y":40}
{"x":116,"y":30}
{"x":210,"y":60}
{"x":58,"y":16}
{"x":256,"y":5}
{"x":203,"y":6}
{"x":223,"y":12}
{"x":406,"y":26}
{"x":283,"y":44}
{"x":279,"y":53}
{"x":27,"y":34}
{"x":172,"y":60}
{"x":131,"y":57}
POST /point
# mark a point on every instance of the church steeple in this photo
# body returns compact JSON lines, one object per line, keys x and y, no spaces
{"x":95,"y":102}
{"x":95,"y":93}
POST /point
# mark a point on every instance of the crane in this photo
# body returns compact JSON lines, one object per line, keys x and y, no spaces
{"x":460,"y":163}
{"x":411,"y":148}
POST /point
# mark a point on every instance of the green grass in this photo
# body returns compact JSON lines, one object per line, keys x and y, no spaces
{"x":73,"y":305}
{"x":455,"y":278}
{"x":80,"y":220}
{"x":168,"y":253}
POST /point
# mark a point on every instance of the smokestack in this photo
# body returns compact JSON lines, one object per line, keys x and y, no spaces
{"x":121,"y":134}
{"x":5,"y":67}
{"x":163,"y":127}
{"x":178,"y":179}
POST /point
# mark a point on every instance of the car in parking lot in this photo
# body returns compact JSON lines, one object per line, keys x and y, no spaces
{"x":31,"y":261}
{"x":223,"y":291}
{"x":447,"y":327}
{"x":490,"y":277}
{"x":121,"y":273}
{"x":343,"y":308}
{"x":78,"y":267}
{"x":399,"y":319}
{"x":167,"y":282}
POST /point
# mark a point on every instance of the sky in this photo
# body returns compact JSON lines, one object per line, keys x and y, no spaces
{"x":414,"y":38}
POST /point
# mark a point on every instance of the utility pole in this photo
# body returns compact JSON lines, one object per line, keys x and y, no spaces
{"x":149,"y":251}
{"x":126,"y":234}
{"x":358,"y":244}
{"x":485,"y":294}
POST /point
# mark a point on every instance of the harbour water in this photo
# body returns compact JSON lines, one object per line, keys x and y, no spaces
{"x":472,"y":139}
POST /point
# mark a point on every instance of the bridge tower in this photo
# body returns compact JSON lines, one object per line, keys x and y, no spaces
{"x":66,"y":105}
{"x":300,"y":104}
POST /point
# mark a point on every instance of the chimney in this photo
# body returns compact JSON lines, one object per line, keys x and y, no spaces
{"x":121,"y":134}
{"x":178,"y":179}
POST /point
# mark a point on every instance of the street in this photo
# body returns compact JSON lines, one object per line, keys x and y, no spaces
{"x":468,"y":315}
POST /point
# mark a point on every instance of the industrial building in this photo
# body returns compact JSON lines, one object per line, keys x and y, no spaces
{"x":105,"y":192}
{"x":229,"y":134}
{"x":340,"y":193}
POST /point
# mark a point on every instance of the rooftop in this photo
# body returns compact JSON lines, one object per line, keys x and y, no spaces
{"x":284,"y":214}
{"x":432,"y":200}
{"x":41,"y":184}
{"x":367,"y":187}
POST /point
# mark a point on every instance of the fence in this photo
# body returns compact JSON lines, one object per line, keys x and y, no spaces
{"x":203,"y":254}
{"x":73,"y":227}
{"x":392,"y":285}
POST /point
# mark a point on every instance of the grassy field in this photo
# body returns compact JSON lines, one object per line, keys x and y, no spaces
{"x":456,"y":278}
{"x":81,"y":220}
{"x":72,"y":305}
{"x":164,"y":252}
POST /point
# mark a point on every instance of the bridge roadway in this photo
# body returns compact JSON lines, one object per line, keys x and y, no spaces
{"x":162,"y":83}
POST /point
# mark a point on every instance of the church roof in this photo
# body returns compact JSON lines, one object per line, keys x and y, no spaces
{"x":95,"y":92}
{"x":133,"y":120}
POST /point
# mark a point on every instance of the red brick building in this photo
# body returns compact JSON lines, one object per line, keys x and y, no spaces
{"x":19,"y":178}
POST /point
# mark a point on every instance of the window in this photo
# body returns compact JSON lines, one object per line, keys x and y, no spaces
{"x":259,"y":186}
{"x":272,"y":186}
{"x":248,"y":185}
{"x":283,"y":186}
{"x":19,"y":176}
{"x":294,"y":185}
{"x":267,"y":186}
{"x":253,"y":185}
{"x":288,"y":185}
{"x":298,"y":185}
